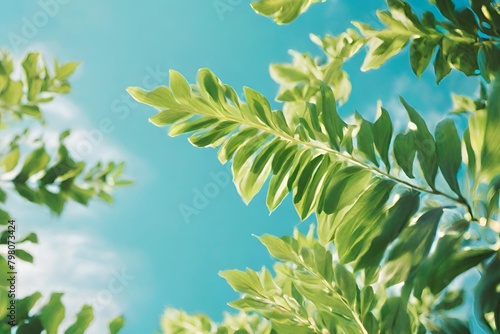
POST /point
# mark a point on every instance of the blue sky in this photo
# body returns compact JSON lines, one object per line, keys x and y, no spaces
{"x":143,"y":238}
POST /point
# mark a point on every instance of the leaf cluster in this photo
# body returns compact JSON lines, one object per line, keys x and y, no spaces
{"x":396,"y":208}
{"x":31,"y":169}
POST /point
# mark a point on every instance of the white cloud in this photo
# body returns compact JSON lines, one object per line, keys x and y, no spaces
{"x":335,"y":8}
{"x":81,"y":266}
{"x":61,"y":110}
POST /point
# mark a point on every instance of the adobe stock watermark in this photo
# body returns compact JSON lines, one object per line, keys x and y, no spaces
{"x":202,"y":196}
{"x":223,"y":6}
{"x":31,"y":25}
{"x":116,"y":285}
{"x":121,"y":107}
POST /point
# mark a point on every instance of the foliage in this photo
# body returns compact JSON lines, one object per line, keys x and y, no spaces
{"x":175,"y":321}
{"x":397,"y":209}
{"x":34,"y":171}
{"x":282,"y":11}
{"x":42,"y":175}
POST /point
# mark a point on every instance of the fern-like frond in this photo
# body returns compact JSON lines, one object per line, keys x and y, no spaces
{"x":329,"y":166}
{"x":466,"y":39}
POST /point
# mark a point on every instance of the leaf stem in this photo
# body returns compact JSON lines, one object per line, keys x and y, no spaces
{"x":330,"y":287}
{"x":323,"y":147}
{"x":461,"y":200}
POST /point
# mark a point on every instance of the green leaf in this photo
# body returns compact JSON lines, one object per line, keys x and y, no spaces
{"x":161,"y":97}
{"x":286,"y":74}
{"x":3,"y":196}
{"x":258,"y":105}
{"x":421,"y":51}
{"x":449,"y":152}
{"x":280,"y":120}
{"x":425,"y":144}
{"x":447,"y":8}
{"x":365,"y":139}
{"x":344,"y":188}
{"x":123,"y":183}
{"x":64,"y":71}
{"x":382,"y":135}
{"x":4,"y":80}
{"x":493,"y":198}
{"x":282,"y":11}
{"x":31,"y":237}
{"x":5,"y":303}
{"x":304,"y":130}
{"x":394,"y":316}
{"x":250,"y":181}
{"x":304,"y":159}
{"x":52,"y":314}
{"x":80,"y":195}
{"x":191,"y":125}
{"x":462,"y":56}
{"x":34,"y":326}
{"x":63,"y":169}
{"x":346,"y":283}
{"x":13,"y":94}
{"x":310,"y":200}
{"x":167,"y":117}
{"x":278,"y":188}
{"x":490,"y":154}
{"x":35,"y":162}
{"x":382,"y":50}
{"x":246,"y":151}
{"x":457,"y":263}
{"x":412,"y":247}
{"x":4,"y":217}
{"x":116,"y":325}
{"x":83,"y":319}
{"x":368,"y":300}
{"x":404,"y":152}
{"x":278,"y":248}
{"x":248,"y":304}
{"x":334,"y":125}
{"x":229,"y":147}
{"x":244,"y":282}
{"x":211,"y":85}
{"x":24,"y":305}
{"x":441,"y":66}
{"x":214,"y":135}
{"x":55,"y":202}
{"x":33,"y":111}
{"x":105,"y":197}
{"x":463,"y":104}
{"x":9,"y":161}
{"x":4,"y":266}
{"x":23,"y":255}
{"x":358,"y":221}
{"x":488,"y":61}
{"x":180,"y":87}
{"x":306,"y":177}
{"x":471,"y":155}
{"x":393,"y":222}
{"x":31,"y":64}
{"x":334,"y":300}
{"x":28,"y":193}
